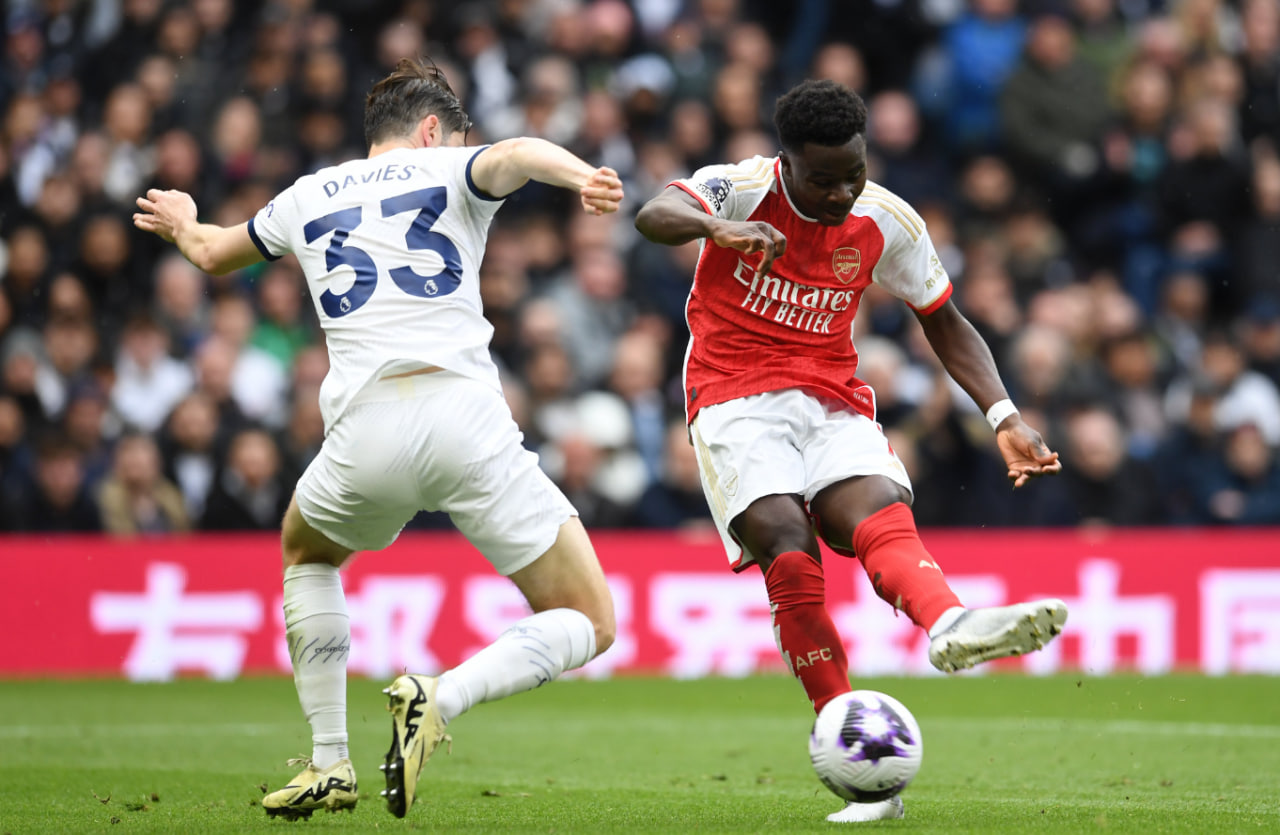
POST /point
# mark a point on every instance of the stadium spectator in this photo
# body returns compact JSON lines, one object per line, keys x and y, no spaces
{"x":68,"y":301}
{"x":118,"y":57}
{"x":87,"y":170}
{"x":70,"y":345}
{"x":1260,"y":337}
{"x":1182,"y":318}
{"x":897,"y":152}
{"x":250,"y":493}
{"x":148,"y":382}
{"x":787,"y":438}
{"x":259,"y":380}
{"x":675,"y":500}
{"x":1242,"y":485}
{"x":1133,"y":389}
{"x":214,"y":364}
{"x":1102,"y":41}
{"x":56,"y":499}
{"x":192,"y":450}
{"x":59,"y":212}
{"x":283,"y":327}
{"x":180,"y":163}
{"x":1204,"y":194}
{"x":594,"y":311}
{"x":126,"y":121}
{"x":575,"y":461}
{"x":987,"y":188}
{"x":961,"y":82}
{"x":1259,"y":268}
{"x":136,"y":499}
{"x":181,"y":303}
{"x":91,"y":427}
{"x":28,"y":269}
{"x":637,"y":378}
{"x":1053,"y":108}
{"x":27,"y":375}
{"x":1134,"y":153}
{"x":1244,"y":396}
{"x":300,"y":439}
{"x":550,"y":377}
{"x":1105,"y":485}
{"x":1191,"y":448}
{"x":1260,"y":110}
{"x":17,"y":462}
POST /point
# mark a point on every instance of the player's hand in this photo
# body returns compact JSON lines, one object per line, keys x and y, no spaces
{"x":751,"y":237}
{"x":164,"y":212}
{"x":1024,"y":451}
{"x":603,"y":192}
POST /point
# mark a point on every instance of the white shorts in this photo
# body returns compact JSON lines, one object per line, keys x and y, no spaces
{"x":432,"y":442}
{"x":783,"y":442}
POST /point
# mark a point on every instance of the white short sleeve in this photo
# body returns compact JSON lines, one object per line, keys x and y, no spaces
{"x":909,"y":268}
{"x":731,"y":192}
{"x":270,"y":227}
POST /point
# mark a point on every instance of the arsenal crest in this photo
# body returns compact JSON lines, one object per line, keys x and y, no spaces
{"x":846,"y":263}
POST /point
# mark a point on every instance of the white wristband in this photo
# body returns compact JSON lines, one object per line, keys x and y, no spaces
{"x":999,"y":411}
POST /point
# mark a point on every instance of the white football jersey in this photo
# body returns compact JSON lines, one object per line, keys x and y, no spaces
{"x":391,"y":247}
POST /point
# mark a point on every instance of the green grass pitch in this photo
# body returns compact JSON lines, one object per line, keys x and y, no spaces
{"x":1003,"y":753}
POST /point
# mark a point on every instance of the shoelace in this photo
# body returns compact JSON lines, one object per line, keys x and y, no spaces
{"x":303,"y":761}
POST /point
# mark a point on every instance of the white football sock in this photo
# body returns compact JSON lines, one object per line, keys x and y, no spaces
{"x":319,"y":636}
{"x":946,"y":620}
{"x":529,"y":654}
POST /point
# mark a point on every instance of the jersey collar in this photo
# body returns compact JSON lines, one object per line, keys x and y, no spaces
{"x":782,"y":184}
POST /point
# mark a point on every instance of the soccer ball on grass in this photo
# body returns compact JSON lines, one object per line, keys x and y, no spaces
{"x":865,"y":746}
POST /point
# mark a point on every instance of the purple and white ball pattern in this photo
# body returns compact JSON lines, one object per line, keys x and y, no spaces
{"x":865,"y":746}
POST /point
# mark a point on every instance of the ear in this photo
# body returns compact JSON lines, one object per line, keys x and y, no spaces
{"x":431,"y":132}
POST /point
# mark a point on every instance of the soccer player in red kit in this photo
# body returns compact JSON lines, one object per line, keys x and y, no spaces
{"x":785,"y":433}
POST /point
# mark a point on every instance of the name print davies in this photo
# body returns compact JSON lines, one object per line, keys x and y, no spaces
{"x":394,"y":171}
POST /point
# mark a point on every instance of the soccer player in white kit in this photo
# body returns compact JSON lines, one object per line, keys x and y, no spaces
{"x":414,"y":415}
{"x":785,"y":433}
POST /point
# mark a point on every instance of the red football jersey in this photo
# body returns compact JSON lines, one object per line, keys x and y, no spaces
{"x":793,"y":328}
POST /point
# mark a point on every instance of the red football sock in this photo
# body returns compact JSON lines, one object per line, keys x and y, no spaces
{"x":805,"y":633}
{"x":901,"y":570}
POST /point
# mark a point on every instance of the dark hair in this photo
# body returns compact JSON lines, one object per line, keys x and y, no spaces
{"x":821,"y":112}
{"x":414,"y":90}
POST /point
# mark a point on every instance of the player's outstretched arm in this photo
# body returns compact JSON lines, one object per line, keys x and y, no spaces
{"x":968,"y":360}
{"x":212,"y":248}
{"x":507,"y":165}
{"x":674,"y":218}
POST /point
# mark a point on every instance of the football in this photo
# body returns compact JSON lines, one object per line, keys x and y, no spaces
{"x":865,"y":746}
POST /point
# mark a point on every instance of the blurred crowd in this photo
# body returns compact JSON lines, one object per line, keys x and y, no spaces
{"x":1101,"y":178}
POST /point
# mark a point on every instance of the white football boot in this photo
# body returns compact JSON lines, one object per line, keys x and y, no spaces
{"x":417,"y":729}
{"x":331,"y":789}
{"x":881,"y":810}
{"x":997,"y":632}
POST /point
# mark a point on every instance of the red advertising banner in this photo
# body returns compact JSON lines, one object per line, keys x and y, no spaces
{"x":152,"y":609}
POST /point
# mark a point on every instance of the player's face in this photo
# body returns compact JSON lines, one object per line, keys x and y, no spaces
{"x":824,"y":180}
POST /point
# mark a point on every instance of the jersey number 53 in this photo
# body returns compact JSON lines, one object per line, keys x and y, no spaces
{"x":429,"y":202}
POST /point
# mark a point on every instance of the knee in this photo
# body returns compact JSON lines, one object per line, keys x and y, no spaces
{"x":846,"y":505}
{"x":606,"y":630}
{"x":301,"y":544}
{"x":295,"y":550}
{"x":601,"y":614}
{"x":775,"y":525}
{"x":782,"y":538}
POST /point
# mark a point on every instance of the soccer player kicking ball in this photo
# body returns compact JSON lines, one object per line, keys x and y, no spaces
{"x":414,"y":415}
{"x":785,"y":434}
